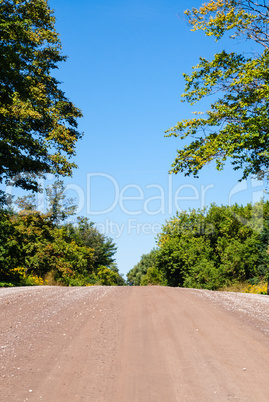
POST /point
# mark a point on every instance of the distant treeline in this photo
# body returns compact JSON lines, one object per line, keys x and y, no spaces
{"x":209,"y":249}
{"x":38,"y":248}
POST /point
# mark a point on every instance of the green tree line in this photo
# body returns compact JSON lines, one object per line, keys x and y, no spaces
{"x":38,"y":134}
{"x":42,"y":245}
{"x":209,"y":249}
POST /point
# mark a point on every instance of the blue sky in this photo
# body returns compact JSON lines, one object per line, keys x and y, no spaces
{"x":124,"y":70}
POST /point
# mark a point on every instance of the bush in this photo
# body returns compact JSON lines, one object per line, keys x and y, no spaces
{"x":260,"y":288}
{"x":152,"y":277}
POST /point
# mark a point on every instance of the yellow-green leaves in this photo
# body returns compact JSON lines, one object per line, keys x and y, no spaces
{"x":243,"y":17}
{"x":237,"y":123}
{"x":38,"y":123}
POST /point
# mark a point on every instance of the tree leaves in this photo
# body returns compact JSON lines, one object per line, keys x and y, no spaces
{"x":212,"y":248}
{"x":38,"y":127}
{"x":237,"y":124}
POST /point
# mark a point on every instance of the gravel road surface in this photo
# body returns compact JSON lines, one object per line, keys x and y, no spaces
{"x":132,"y":344}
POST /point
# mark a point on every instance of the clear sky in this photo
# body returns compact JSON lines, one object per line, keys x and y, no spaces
{"x":124,"y":70}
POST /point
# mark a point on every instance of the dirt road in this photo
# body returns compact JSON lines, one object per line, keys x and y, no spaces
{"x":132,"y":344}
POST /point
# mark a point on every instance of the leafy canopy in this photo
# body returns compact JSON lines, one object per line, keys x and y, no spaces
{"x":67,"y":254}
{"x":215,"y":247}
{"x":237,"y":124}
{"x":38,"y":123}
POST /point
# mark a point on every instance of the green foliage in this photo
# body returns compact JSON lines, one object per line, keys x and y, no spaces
{"x":135,"y":275}
{"x":9,"y":247}
{"x":33,"y":247}
{"x":58,"y":206}
{"x":262,"y":248}
{"x":119,"y":280}
{"x":209,"y":249}
{"x":38,"y":136}
{"x":6,"y":285}
{"x":26,"y":204}
{"x":106,"y":276}
{"x":81,"y":280}
{"x":204,"y":275}
{"x":38,"y":123}
{"x":237,"y":124}
{"x":152,"y":277}
{"x":87,"y":235}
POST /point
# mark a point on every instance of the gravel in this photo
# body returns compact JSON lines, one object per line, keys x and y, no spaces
{"x":251,"y":307}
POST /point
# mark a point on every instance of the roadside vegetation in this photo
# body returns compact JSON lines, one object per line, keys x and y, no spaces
{"x":219,"y":248}
{"x":223,"y":247}
{"x":40,"y":249}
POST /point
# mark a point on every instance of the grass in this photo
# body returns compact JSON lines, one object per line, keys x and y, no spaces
{"x":247,"y":287}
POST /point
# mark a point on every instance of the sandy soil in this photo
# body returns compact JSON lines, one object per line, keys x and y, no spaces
{"x":132,"y":344}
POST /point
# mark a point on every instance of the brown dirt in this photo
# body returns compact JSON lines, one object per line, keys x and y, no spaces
{"x":132,"y":344}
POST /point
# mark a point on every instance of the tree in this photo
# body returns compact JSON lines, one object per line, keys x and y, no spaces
{"x":210,"y":248}
{"x":237,"y":124}
{"x":38,"y":123}
{"x":10,"y":249}
{"x":120,"y":281}
{"x":86,"y":234}
{"x":107,"y":277}
{"x":58,"y":206}
{"x":26,"y":204}
{"x":140,"y":270}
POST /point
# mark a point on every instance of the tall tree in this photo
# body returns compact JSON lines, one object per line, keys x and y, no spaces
{"x":38,"y":124}
{"x":211,"y":248}
{"x":237,"y":124}
{"x":87,"y":235}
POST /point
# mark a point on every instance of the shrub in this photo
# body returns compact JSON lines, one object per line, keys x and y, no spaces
{"x":260,"y":288}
